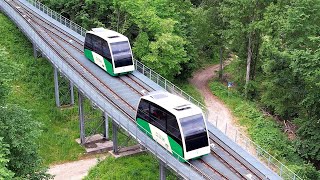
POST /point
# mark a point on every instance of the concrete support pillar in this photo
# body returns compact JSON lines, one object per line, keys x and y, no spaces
{"x":56,"y":87}
{"x":114,"y":137}
{"x":106,"y":126}
{"x":162,"y":170}
{"x":81,"y":118}
{"x":71,"y":94}
{"x":35,"y":51}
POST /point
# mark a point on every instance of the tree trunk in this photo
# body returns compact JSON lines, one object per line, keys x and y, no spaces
{"x":118,"y":19}
{"x":220,"y":72}
{"x":249,"y":59}
{"x":255,"y":58}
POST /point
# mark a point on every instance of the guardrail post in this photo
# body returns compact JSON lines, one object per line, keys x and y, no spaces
{"x":162,"y":170}
{"x":114,"y":137}
{"x":106,"y":125}
{"x":225,"y":130}
{"x":81,"y":118}
{"x":235,"y":137}
{"x":217,"y":122}
{"x":56,"y":87}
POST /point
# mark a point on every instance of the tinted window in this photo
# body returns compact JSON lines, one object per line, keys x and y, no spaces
{"x":143,"y":110}
{"x":121,"y":54}
{"x":173,"y":128}
{"x":106,"y":50}
{"x":88,"y":42}
{"x":194,"y":131}
{"x":158,"y":117}
{"x":97,"y":47}
{"x":192,"y":125}
{"x":196,"y":141}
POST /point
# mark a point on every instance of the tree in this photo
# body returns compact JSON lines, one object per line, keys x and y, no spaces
{"x":161,"y":43}
{"x":291,"y":67}
{"x":20,"y":132}
{"x":242,"y":33}
{"x":208,"y":27}
{"x":5,"y":173}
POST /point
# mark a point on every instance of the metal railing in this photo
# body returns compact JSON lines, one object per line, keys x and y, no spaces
{"x":236,"y":136}
{"x":254,"y":149}
{"x":167,"y":85}
{"x":157,"y":78}
{"x":58,"y":17}
{"x":103,"y":104}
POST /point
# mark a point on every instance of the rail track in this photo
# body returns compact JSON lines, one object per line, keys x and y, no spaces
{"x":78,"y":45}
{"x":58,"y":39}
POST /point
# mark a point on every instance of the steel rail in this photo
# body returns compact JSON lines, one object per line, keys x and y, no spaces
{"x":231,"y":153}
{"x":71,"y":66}
{"x":63,"y":57}
{"x":48,"y":31}
{"x":212,"y":169}
{"x":31,"y":14}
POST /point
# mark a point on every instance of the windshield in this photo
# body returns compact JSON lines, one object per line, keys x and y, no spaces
{"x":192,"y":125}
{"x":121,"y":54}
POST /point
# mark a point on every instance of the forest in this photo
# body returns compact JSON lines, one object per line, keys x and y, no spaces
{"x":276,"y":45}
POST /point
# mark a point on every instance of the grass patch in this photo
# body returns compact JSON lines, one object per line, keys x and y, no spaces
{"x":31,"y":87}
{"x":141,"y":166}
{"x":190,"y":89}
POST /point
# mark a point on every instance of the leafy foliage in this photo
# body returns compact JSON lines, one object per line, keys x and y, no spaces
{"x":5,"y":173}
{"x":265,"y":132}
{"x":279,"y":38}
{"x":291,"y":67}
{"x":20,"y":132}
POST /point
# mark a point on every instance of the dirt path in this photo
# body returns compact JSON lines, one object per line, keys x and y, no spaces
{"x":73,"y":170}
{"x":216,"y":108}
{"x":219,"y":115}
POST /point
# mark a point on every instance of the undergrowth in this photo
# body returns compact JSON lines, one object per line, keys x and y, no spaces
{"x":141,"y":166}
{"x":263,"y":130}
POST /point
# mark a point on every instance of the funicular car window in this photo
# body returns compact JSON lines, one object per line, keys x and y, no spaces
{"x":192,"y":125}
{"x":88,"y":42}
{"x":96,"y":41}
{"x":194,"y":131}
{"x":172,"y":127}
{"x":158,"y":117}
{"x":143,"y":110}
{"x":121,"y":53}
{"x":106,"y":50}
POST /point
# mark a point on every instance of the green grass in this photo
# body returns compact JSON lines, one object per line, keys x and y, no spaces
{"x":32,"y":88}
{"x":142,"y":166}
{"x":190,"y":89}
{"x":263,"y":130}
{"x":31,"y":82}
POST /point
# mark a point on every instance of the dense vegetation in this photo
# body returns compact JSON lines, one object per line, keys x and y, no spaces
{"x":29,"y":121}
{"x":19,"y":157}
{"x":276,"y":42}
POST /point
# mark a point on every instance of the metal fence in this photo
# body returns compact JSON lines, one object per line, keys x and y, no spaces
{"x":58,"y":17}
{"x":181,"y":168}
{"x":254,"y":149}
{"x":167,"y":85}
{"x":228,"y":130}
